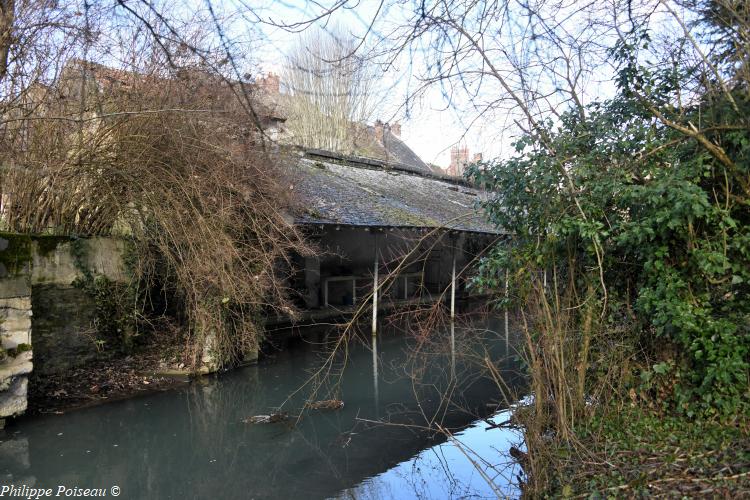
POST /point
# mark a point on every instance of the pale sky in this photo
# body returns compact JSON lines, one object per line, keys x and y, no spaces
{"x":430,"y":129}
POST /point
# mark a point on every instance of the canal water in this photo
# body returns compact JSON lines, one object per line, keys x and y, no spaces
{"x":417,"y":429}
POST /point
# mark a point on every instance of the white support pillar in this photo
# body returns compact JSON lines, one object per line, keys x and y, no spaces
{"x":453,"y":287}
{"x":354,"y":291}
{"x":375,"y":385}
{"x":375,"y":296}
{"x":375,"y":329}
{"x":453,"y":313}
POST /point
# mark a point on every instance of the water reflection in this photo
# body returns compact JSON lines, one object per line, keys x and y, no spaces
{"x":376,"y":392}
{"x":453,"y":348}
{"x":454,"y":469}
{"x":192,"y":443}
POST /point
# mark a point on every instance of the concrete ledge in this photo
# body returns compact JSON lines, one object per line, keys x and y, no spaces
{"x":15,"y":322}
{"x":12,"y":340}
{"x":103,"y":256}
{"x":16,"y":304}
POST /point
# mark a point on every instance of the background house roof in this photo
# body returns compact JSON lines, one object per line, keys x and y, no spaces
{"x":333,"y":189}
{"x":379,"y":141}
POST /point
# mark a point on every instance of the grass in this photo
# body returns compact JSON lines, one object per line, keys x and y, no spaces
{"x":636,"y":453}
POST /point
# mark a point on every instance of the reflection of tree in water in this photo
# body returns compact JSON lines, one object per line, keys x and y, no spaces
{"x":191,"y":442}
{"x":313,"y":450}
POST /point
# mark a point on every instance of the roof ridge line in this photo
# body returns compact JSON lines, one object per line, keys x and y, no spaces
{"x":368,"y":162}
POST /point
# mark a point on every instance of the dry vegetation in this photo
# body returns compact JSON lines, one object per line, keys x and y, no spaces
{"x":160,"y":145}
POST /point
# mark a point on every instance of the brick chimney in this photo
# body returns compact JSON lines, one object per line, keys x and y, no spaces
{"x":378,"y":130}
{"x":459,"y":159}
{"x":270,"y":83}
{"x":396,"y":129}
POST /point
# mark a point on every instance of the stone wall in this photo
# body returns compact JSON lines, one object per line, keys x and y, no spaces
{"x":63,"y":325}
{"x":65,"y":314}
{"x":44,"y":310}
{"x":15,"y":333}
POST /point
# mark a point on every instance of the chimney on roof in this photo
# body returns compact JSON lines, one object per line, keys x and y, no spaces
{"x":459,"y":160}
{"x":270,"y":83}
{"x":396,"y":129}
{"x":379,"y":130}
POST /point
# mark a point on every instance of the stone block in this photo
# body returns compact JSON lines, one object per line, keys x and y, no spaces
{"x":19,"y":286}
{"x":14,"y":322}
{"x":209,"y":360}
{"x":13,"y":400}
{"x":103,"y":256}
{"x":19,"y":303}
{"x":14,"y":319}
{"x":63,"y":329}
{"x":55,"y":266}
{"x":11,"y":340}
{"x":106,"y":257}
{"x":13,"y":367}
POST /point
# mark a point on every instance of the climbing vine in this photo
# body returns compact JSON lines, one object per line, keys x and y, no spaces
{"x":114,"y":303}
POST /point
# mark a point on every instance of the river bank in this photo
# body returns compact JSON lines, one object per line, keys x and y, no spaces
{"x":98,"y":383}
{"x":148,"y":366}
{"x":631,"y":452}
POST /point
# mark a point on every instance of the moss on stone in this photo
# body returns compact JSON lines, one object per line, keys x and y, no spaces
{"x":314,"y":213}
{"x":400,"y":217}
{"x":15,"y":250}
{"x":80,"y":251}
{"x":22,"y":348}
{"x":19,"y":349}
{"x":46,"y":244}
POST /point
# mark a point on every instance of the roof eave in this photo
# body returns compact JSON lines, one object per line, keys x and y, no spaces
{"x":389,"y":226}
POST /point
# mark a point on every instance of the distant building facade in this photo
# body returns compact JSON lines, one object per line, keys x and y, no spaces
{"x":460,"y":160}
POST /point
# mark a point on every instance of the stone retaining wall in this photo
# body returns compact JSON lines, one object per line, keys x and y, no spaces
{"x":43,"y":274}
{"x":15,"y":334}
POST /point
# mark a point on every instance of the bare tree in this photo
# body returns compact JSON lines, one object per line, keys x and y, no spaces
{"x":127,"y":120}
{"x":331,"y":90}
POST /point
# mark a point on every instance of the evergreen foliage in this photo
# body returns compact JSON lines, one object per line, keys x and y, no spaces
{"x":649,"y":198}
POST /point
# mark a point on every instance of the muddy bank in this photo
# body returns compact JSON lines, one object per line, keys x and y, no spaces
{"x":97,"y":383}
{"x":152,"y":366}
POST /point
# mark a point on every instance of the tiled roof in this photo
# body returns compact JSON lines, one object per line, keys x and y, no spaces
{"x":389,"y":148}
{"x":333,"y":189}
